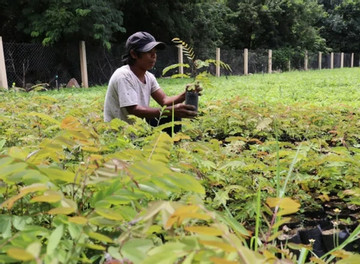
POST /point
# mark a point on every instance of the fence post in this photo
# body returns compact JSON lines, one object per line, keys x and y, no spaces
{"x":217,"y":62}
{"x":246,"y":61}
{"x":180,"y":59}
{"x":3,"y":77}
{"x":352,"y":60}
{"x":83,"y":65}
{"x":332,"y":60}
{"x":306,"y":60}
{"x":342,"y":60}
{"x":270,"y":61}
{"x":320,"y":60}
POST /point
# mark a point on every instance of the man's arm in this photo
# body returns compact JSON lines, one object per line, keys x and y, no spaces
{"x":162,"y":99}
{"x":180,"y":110}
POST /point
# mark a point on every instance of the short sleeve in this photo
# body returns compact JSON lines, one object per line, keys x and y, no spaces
{"x":127,"y":92}
{"x":154,"y":83}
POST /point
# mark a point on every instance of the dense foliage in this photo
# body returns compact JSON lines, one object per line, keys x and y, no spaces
{"x":305,"y":24}
{"x":264,"y":151}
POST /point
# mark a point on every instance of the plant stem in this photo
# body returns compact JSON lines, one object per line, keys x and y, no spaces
{"x":172,"y":119}
{"x":257,"y":222}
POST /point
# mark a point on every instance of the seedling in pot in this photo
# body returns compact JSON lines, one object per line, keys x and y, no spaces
{"x":192,"y":94}
{"x":200,"y":78}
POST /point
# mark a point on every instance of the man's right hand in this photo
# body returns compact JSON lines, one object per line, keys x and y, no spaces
{"x":184,"y":110}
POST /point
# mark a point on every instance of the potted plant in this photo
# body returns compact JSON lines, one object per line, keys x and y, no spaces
{"x":199,"y":71}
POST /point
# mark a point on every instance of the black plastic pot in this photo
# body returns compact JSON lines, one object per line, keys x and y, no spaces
{"x":329,"y":237}
{"x":192,"y":98}
{"x":292,"y":238}
{"x":313,"y":234}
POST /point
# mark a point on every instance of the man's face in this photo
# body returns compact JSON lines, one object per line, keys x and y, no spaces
{"x":146,"y":60}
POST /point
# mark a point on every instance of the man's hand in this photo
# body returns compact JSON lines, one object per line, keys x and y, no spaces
{"x":183,"y":110}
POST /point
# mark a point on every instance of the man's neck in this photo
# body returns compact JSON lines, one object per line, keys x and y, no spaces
{"x":140,"y":73}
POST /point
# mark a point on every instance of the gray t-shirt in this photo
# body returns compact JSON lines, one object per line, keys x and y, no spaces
{"x":125,"y":89}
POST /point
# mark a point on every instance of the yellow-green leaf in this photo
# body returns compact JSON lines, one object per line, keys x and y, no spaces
{"x":62,"y":210}
{"x":299,"y":246}
{"x":57,"y":174}
{"x":48,"y":196}
{"x":100,"y":237}
{"x":218,"y":244}
{"x":216,"y":260}
{"x":96,"y":247}
{"x":109,"y":213}
{"x":44,"y":117}
{"x":20,"y":254}
{"x":286,"y":205}
{"x":25,"y":190}
{"x":281,"y":222}
{"x":274,"y":235}
{"x":179,"y":218}
{"x":204,"y":230}
{"x":178,"y":215}
{"x":78,"y":220}
{"x":33,"y":188}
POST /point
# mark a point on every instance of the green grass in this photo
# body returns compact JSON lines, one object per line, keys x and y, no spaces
{"x":324,"y":87}
{"x":319,"y":87}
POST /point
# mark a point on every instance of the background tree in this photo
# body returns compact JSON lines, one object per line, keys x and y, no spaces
{"x":275,"y":24}
{"x":198,"y":22}
{"x":12,"y":21}
{"x":54,"y":21}
{"x":341,"y":28}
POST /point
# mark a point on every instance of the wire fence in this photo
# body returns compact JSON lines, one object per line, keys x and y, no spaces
{"x":31,"y":63}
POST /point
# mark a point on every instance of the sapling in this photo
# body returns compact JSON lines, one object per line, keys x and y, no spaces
{"x":201,"y":79}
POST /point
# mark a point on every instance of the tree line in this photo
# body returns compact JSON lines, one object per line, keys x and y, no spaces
{"x":287,"y":25}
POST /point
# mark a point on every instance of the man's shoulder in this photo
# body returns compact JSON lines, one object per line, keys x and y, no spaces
{"x":123,"y":72}
{"x":150,"y":76}
{"x":125,"y":69}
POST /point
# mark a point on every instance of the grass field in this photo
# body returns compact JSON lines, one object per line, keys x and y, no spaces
{"x":325,"y":87}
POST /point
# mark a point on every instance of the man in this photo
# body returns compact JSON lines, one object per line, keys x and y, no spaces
{"x":131,"y":85}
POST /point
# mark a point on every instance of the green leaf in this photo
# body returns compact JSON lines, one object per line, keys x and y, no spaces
{"x":135,"y":249}
{"x":167,"y":253}
{"x":174,"y":66}
{"x":2,"y":143}
{"x":352,"y":259}
{"x":109,"y":213}
{"x":54,"y":239}
{"x":6,"y":161}
{"x":100,"y":237}
{"x":20,"y":222}
{"x":11,"y":168}
{"x":96,"y":247}
{"x":58,"y":175}
{"x":34,"y":248}
{"x":43,"y":116}
{"x":75,"y":230}
{"x":5,"y":226}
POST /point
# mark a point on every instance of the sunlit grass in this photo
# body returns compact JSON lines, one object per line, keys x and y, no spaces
{"x":324,"y":87}
{"x":319,"y":87}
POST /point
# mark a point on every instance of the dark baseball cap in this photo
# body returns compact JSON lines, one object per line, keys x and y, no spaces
{"x":143,"y":42}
